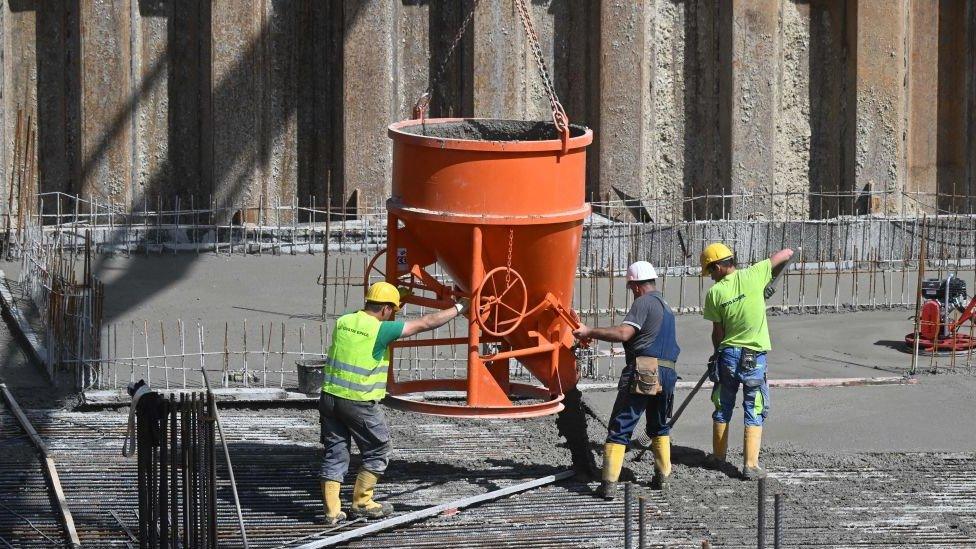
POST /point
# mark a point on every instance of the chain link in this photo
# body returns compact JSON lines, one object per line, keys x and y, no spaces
{"x":424,"y":101}
{"x":558,"y":112}
{"x":508,"y":263}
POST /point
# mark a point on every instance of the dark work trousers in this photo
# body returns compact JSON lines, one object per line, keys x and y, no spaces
{"x":341,"y":420}
{"x":628,"y":408}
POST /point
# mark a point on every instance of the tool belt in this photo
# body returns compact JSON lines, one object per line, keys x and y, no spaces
{"x":748,"y":359}
{"x":646,"y":380}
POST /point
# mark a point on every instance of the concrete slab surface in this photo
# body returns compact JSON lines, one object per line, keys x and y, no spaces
{"x":924,"y":417}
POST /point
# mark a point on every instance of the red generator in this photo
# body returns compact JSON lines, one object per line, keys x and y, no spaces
{"x":937,"y":332}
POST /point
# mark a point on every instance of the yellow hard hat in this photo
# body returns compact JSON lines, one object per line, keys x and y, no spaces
{"x":384,"y":292}
{"x":712,"y":253}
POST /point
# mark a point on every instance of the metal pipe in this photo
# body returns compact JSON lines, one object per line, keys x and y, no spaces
{"x":433,"y":511}
{"x":761,"y":519}
{"x":223,"y":442}
{"x":628,"y":534}
{"x":777,"y":520}
{"x":641,"y":522}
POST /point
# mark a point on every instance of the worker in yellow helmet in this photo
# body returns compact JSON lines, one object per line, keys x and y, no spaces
{"x":355,"y":381}
{"x":736,"y":306}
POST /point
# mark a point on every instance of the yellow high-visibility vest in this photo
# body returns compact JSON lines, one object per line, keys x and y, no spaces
{"x":350,"y":370}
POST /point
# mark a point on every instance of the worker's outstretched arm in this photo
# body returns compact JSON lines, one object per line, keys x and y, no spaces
{"x":615,"y":334}
{"x":432,"y":321}
{"x":779,"y":259}
{"x":718,"y":334}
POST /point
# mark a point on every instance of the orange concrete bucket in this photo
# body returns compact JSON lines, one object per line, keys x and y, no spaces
{"x":499,"y":205}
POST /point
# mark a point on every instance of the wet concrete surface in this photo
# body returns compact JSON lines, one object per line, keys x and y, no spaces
{"x":925,"y":417}
{"x":856,"y":499}
{"x":222,"y":292}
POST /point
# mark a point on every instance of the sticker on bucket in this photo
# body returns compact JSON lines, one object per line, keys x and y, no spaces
{"x":401,"y":260}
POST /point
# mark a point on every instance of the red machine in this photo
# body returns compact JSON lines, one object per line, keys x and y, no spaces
{"x":499,"y":205}
{"x":937,"y":332}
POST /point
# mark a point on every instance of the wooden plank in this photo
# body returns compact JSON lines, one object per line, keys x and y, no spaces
{"x":50,"y":471}
{"x":64,"y":512}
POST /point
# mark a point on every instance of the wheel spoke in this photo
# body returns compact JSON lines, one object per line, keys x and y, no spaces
{"x":511,"y":285}
{"x":510,"y":308}
{"x":509,"y":321}
{"x":494,"y":287}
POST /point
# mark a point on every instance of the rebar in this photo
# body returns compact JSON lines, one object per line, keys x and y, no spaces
{"x":628,"y":527}
{"x":761,"y":519}
{"x":641,"y":522}
{"x":777,"y":520}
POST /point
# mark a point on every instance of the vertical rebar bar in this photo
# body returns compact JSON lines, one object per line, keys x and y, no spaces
{"x":641,"y":522}
{"x":777,"y":520}
{"x":628,"y":534}
{"x":761,"y":518}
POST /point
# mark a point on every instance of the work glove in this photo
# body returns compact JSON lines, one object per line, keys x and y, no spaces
{"x":713,"y":368}
{"x":769,"y":291}
{"x":404,"y":292}
{"x":465,"y":304}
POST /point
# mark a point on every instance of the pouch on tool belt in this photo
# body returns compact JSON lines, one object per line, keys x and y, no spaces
{"x":646,"y":380}
{"x":752,"y":368}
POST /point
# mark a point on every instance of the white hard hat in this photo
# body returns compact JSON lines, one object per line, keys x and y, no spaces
{"x":641,"y":270}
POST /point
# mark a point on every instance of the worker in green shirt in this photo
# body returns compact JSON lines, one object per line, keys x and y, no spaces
{"x":354,"y":382}
{"x":736,"y":306}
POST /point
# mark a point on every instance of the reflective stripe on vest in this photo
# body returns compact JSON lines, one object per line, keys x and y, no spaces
{"x":350,"y":370}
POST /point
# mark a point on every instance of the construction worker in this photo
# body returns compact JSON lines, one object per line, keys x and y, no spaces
{"x":355,"y":382}
{"x":736,"y":306}
{"x":649,"y":340}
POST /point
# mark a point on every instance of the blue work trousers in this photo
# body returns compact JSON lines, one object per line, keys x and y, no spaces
{"x":755,"y":390}
{"x":628,"y":408}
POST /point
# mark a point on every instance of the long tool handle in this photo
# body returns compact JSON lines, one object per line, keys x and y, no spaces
{"x":687,"y":401}
{"x":681,"y":409}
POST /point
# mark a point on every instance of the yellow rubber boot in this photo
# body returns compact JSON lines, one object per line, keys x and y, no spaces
{"x":751,"y":441}
{"x":362,"y":497}
{"x":661,"y":447}
{"x":613,"y":462}
{"x":330,"y":500}
{"x":720,"y":445}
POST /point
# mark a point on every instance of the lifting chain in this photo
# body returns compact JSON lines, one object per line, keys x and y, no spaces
{"x":559,"y":117}
{"x":420,"y":108}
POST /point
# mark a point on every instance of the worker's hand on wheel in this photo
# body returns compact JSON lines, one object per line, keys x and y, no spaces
{"x":582,"y":333}
{"x":769,"y":291}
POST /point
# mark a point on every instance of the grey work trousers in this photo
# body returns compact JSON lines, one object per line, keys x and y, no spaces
{"x":343,"y":419}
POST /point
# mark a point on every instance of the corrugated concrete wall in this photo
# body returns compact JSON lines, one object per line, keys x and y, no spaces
{"x":255,"y":102}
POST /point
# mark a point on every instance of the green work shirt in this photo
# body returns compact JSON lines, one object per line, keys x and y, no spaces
{"x":737,"y":303}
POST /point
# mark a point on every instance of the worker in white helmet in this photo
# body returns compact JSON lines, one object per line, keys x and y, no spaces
{"x":647,"y":381}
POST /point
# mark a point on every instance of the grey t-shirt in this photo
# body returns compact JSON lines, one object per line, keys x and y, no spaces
{"x":645,"y":315}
